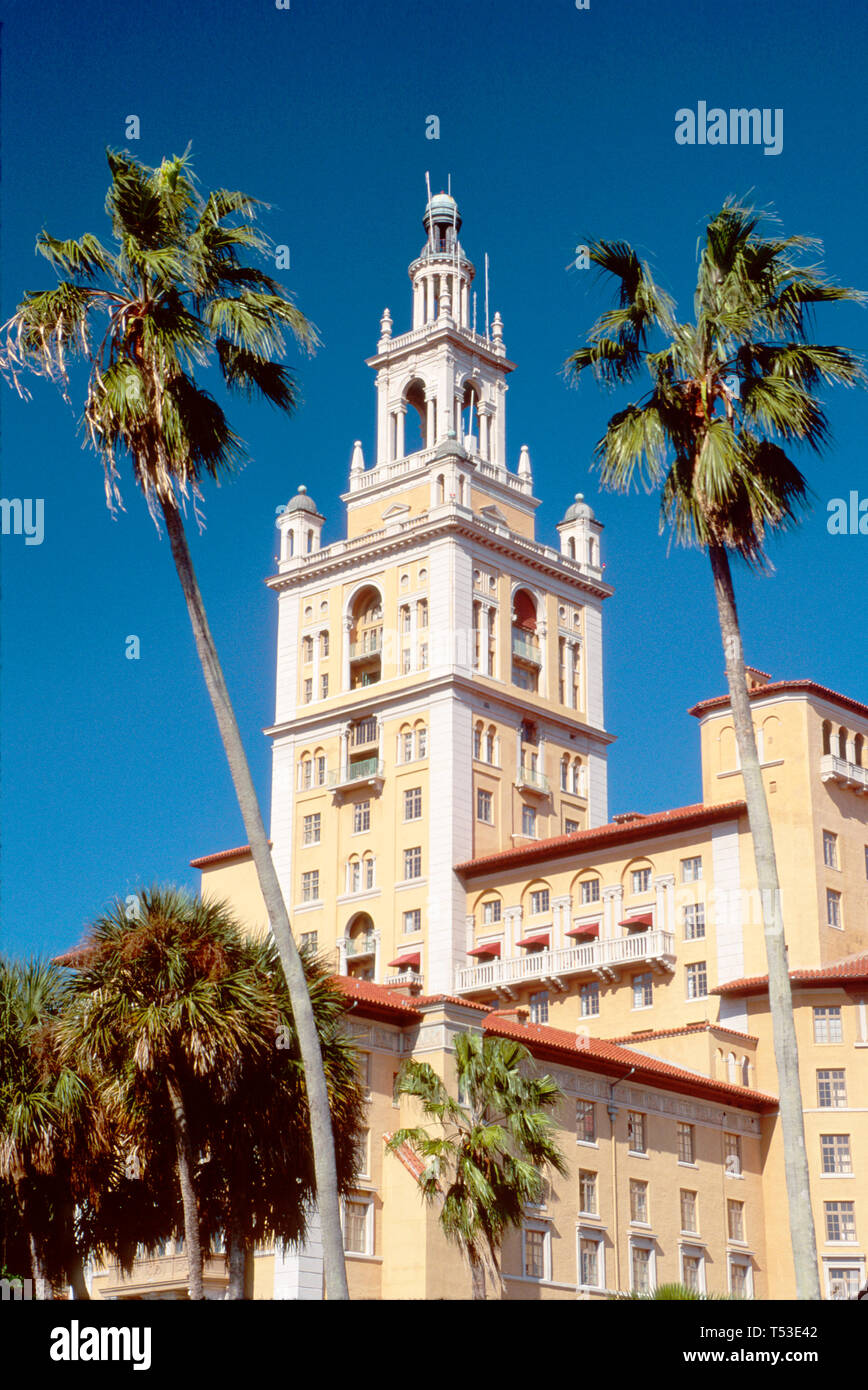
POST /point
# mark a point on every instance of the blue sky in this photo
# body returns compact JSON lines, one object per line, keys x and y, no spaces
{"x":556,"y":125}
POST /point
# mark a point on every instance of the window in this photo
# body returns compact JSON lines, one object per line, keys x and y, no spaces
{"x":697,"y":980}
{"x":320,"y":771}
{"x":362,"y":1150}
{"x":828,"y":1027}
{"x":539,"y":902}
{"x":477,"y":743}
{"x":484,"y":806}
{"x":406,"y":664}
{"x":406,"y":748}
{"x":491,"y":913}
{"x":311,"y":829}
{"x":357,"y":1227}
{"x":835,"y":1150}
{"x":571,"y":826}
{"x":643,"y":990}
{"x":831,"y":1090}
{"x":833,"y":908}
{"x":589,"y":996}
{"x":323,"y":644}
{"x":590,"y":890}
{"x":413,"y":862}
{"x":539,"y":1007}
{"x":732,"y":1155}
{"x":309,"y":941}
{"x":364,"y":1059}
{"x":694,"y":921}
{"x":686,"y":1143}
{"x":306,"y":774}
{"x":586,"y":1122}
{"x":307,"y":650}
{"x":735,"y":1219}
{"x":638,"y":1201}
{"x":536,"y":1252}
{"x":691,"y":870}
{"x":587,"y":1192}
{"x":691,"y":1272}
{"x":412,"y":921}
{"x":830,"y":850}
{"x":590,"y":1262}
{"x":641,"y":880}
{"x":843,"y":1281}
{"x":423,"y":656}
{"x":640,"y":1268}
{"x":636,"y":1131}
{"x":323,"y":687}
{"x":413,"y":803}
{"x":310,"y":886}
{"x":421,"y":743}
{"x":689,"y":1219}
{"x":361,"y":817}
{"x":370,"y":869}
{"x":840,"y":1220}
{"x":354,"y":876}
{"x":308,"y":691}
{"x":740,"y":1281}
{"x":422,"y":613}
{"x":405,"y":619}
{"x":528,"y":821}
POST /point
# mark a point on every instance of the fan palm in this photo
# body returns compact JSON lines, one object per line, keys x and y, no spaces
{"x":259,"y":1184}
{"x":162,"y":1004}
{"x":175,"y":294}
{"x":483,"y":1163}
{"x":731,"y":392}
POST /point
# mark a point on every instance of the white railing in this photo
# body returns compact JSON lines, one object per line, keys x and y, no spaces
{"x":406,"y":977}
{"x":570,"y":960}
{"x":835,"y":769}
{"x":361,"y":771}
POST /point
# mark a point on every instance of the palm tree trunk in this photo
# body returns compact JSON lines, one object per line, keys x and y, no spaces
{"x":780,"y":994}
{"x":41,"y":1286}
{"x":235,"y":1256}
{"x":477,"y":1279}
{"x":184,"y":1152}
{"x":322,"y":1138}
{"x":74,"y":1262}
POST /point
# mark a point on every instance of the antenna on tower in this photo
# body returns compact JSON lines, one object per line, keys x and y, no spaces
{"x":486,"y":296}
{"x":474,"y":311}
{"x":449,"y":184}
{"x":430,"y":219}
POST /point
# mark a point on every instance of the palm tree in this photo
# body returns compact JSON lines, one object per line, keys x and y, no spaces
{"x":673,"y":1293}
{"x":175,"y":294}
{"x":162,"y":1004}
{"x":55,"y":1145}
{"x":259,"y":1184}
{"x":730,"y":393}
{"x":483,"y":1164}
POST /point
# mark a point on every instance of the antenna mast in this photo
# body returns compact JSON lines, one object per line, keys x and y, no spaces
{"x":486,"y":296}
{"x":430,"y":219}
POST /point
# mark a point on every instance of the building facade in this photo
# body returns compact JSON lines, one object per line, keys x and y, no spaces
{"x":441,"y":830}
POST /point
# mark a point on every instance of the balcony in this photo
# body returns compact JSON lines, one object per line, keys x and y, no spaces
{"x":601,"y":958}
{"x":360,"y":947}
{"x":370,"y":644}
{"x":529,"y":780}
{"x":366,"y":772}
{"x":408,"y":979}
{"x":835,"y":769}
{"x":526,"y":648}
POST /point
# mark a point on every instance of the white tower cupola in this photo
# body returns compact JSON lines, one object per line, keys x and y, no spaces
{"x":300,"y":526}
{"x":580,"y":535}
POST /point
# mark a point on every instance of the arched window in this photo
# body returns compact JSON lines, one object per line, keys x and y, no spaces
{"x":441,"y":489}
{"x":309,"y":542}
{"x":290,"y":544}
{"x":730,"y":1069}
{"x":565,"y":767}
{"x":305,"y":772}
{"x":574,"y":778}
{"x":461,"y":489}
{"x":307,"y":649}
{"x":842,"y":743}
{"x":477,"y":740}
{"x":490,"y":744}
{"x":859,"y":750}
{"x":827,"y":736}
{"x":323,"y":644}
{"x":745,"y":1071}
{"x":422,"y":613}
{"x":571,"y":548}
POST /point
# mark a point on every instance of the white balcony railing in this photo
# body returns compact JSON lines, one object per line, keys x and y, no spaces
{"x":526,"y":649}
{"x":365,"y":771}
{"x":594,"y":957}
{"x":535,"y":781}
{"x":404,"y":977}
{"x":846,"y":774}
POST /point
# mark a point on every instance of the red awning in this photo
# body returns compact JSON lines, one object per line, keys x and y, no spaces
{"x":643,"y":919}
{"x":412,"y":959}
{"x":492,"y":949}
{"x":586,"y":929}
{"x":542,"y":940}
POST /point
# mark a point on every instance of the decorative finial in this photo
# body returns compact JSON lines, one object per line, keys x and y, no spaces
{"x":386,"y":324}
{"x":302,"y":488}
{"x":357,"y":464}
{"x":524,"y":462}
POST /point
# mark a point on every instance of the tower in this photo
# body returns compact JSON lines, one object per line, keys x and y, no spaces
{"x":439,"y":670}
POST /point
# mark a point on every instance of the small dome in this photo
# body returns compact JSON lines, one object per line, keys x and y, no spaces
{"x":579,"y":509}
{"x":442,"y":208}
{"x":301,"y":502}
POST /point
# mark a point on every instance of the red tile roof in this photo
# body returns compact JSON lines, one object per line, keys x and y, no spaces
{"x":207,"y":861}
{"x":601,"y":836}
{"x":595,"y":1054}
{"x":848,"y":968}
{"x":408,"y":1156}
{"x":703,"y":1027}
{"x":759,"y":692}
{"x":378,"y":1000}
